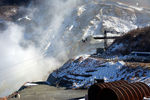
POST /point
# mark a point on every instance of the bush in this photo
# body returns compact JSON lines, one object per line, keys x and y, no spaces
{"x":135,"y":40}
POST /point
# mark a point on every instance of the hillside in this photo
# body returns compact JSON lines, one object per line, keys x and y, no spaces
{"x":14,"y":2}
{"x":81,"y":72}
{"x":135,"y":40}
{"x":39,"y":39}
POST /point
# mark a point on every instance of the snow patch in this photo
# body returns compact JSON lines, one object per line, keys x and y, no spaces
{"x":80,"y":10}
{"x":83,"y":73}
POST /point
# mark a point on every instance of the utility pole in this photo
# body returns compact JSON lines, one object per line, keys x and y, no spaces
{"x":105,"y":40}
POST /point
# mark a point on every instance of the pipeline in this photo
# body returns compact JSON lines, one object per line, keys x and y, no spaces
{"x":133,"y":91}
{"x":96,"y":89}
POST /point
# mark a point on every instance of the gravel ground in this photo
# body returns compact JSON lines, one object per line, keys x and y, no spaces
{"x":45,"y":92}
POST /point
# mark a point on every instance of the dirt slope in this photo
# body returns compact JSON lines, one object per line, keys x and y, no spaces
{"x":135,"y":40}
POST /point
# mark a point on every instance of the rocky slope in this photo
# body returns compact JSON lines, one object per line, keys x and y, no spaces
{"x":15,"y":2}
{"x":93,"y":18}
{"x":84,"y":20}
{"x":59,"y":30}
{"x":81,"y":72}
{"x":135,"y":40}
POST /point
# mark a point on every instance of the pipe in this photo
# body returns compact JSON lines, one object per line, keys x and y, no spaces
{"x":95,"y":90}
{"x":133,"y":91}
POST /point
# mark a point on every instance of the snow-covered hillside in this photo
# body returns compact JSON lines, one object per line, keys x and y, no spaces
{"x":81,"y":72}
{"x":92,"y":18}
{"x":135,"y":40}
{"x":83,"y":20}
{"x":40,"y":38}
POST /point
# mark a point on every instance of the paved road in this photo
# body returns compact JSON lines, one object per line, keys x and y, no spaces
{"x":45,"y":92}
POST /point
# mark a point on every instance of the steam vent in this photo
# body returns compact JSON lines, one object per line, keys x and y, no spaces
{"x":74,"y":49}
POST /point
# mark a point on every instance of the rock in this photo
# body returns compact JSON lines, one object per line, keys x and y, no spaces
{"x":7,"y":12}
{"x":14,"y":2}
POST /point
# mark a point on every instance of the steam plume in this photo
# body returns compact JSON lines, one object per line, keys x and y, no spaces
{"x":30,"y":51}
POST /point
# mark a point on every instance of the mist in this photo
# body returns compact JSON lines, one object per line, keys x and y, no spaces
{"x":30,"y":51}
{"x":18,"y":64}
{"x":39,"y":42}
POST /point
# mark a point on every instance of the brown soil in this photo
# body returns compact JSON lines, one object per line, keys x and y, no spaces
{"x":135,"y":40}
{"x":7,"y":12}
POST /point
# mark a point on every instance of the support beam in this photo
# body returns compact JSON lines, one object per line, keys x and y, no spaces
{"x":105,"y":38}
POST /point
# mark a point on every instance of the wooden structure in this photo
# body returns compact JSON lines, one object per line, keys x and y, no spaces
{"x":105,"y":38}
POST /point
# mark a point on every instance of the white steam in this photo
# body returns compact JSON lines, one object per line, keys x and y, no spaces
{"x":18,"y":64}
{"x":29,"y":52}
{"x":40,"y":42}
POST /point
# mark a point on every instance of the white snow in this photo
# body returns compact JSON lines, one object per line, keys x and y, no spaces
{"x":70,"y":27}
{"x":80,"y":10}
{"x":30,"y":84}
{"x":137,"y":8}
{"x":145,"y":98}
{"x":99,"y":69}
{"x":90,"y":19}
{"x":86,"y":20}
{"x":25,"y":17}
{"x":82,"y":99}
